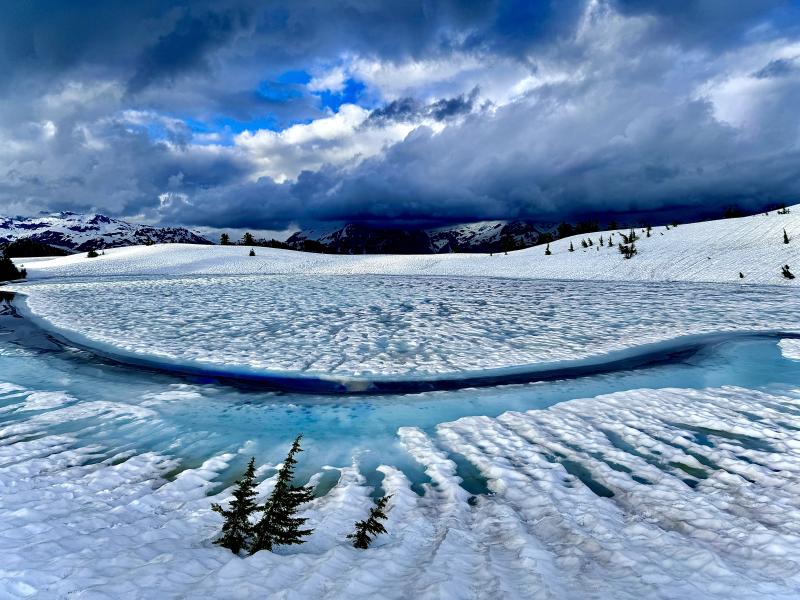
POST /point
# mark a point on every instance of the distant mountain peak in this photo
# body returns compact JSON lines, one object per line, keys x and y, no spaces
{"x":81,"y":232}
{"x":482,"y":236}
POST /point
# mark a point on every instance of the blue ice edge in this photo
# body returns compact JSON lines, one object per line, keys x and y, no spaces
{"x":666,"y":351}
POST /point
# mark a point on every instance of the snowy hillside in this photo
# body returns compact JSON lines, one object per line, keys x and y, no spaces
{"x":712,"y":251}
{"x":71,"y":231}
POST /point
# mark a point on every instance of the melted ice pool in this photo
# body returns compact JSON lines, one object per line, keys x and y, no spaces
{"x":194,"y":419}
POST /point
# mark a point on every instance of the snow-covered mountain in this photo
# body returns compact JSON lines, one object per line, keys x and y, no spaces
{"x":71,"y":231}
{"x":484,"y":236}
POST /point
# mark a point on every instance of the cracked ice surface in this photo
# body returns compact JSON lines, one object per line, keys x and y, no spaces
{"x":394,"y":326}
{"x":670,"y":493}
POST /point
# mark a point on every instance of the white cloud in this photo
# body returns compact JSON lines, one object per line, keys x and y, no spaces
{"x":337,"y":139}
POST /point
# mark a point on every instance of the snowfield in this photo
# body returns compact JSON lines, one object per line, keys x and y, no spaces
{"x":677,"y":480}
{"x":714,"y":251}
{"x":274,"y":319}
{"x":670,"y":493}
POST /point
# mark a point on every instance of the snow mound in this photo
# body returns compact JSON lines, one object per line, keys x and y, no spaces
{"x":373,"y":328}
{"x":790,"y":348}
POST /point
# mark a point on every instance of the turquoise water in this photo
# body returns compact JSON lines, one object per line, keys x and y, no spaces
{"x":215,"y":418}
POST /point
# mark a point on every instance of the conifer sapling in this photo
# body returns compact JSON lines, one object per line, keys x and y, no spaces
{"x":547,"y":250}
{"x":237,"y":529}
{"x":571,"y":247}
{"x":367,"y":530}
{"x":278,"y":525}
{"x":785,"y":237}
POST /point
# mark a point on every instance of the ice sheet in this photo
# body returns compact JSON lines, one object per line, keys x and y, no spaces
{"x":378,"y":326}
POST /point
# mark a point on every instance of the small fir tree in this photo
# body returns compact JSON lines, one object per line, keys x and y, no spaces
{"x":786,"y":272}
{"x":224,"y":240}
{"x":584,"y":244}
{"x":547,"y":250}
{"x":627,"y":250}
{"x":237,"y":529}
{"x":278,"y":525}
{"x":590,"y":242}
{"x":367,"y":530}
{"x":92,"y":254}
{"x":602,"y":243}
{"x":252,"y":252}
{"x":785,"y":237}
{"x":9,"y":271}
{"x":571,"y":247}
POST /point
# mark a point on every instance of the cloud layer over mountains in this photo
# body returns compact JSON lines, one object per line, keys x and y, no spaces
{"x":266,"y":115}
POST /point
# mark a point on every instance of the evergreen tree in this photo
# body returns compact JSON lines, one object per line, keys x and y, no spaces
{"x":571,"y":248}
{"x":584,"y":244}
{"x":741,"y":275}
{"x":547,"y":250}
{"x":248,"y":239}
{"x":278,"y":525}
{"x":785,"y":237}
{"x":252,"y":252}
{"x":9,"y":271}
{"x":786,"y":272}
{"x":628,"y":250}
{"x":366,"y":530}
{"x":508,"y":243}
{"x":602,"y":243}
{"x":590,"y":242}
{"x":237,"y":530}
{"x":92,"y":254}
{"x":224,"y":240}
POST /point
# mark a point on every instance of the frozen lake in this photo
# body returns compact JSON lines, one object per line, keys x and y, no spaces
{"x":678,"y":473}
{"x":363,"y":331}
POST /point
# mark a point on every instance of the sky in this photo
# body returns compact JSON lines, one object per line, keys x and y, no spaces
{"x":277,"y":115}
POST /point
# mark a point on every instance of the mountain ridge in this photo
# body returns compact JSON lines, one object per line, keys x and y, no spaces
{"x":82,"y":232}
{"x":481,"y":236}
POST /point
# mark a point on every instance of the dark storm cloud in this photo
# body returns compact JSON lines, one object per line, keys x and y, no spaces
{"x":407,"y":110}
{"x":132,"y":107}
{"x":183,"y":48}
{"x":711,"y":22}
{"x":780,"y":67}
